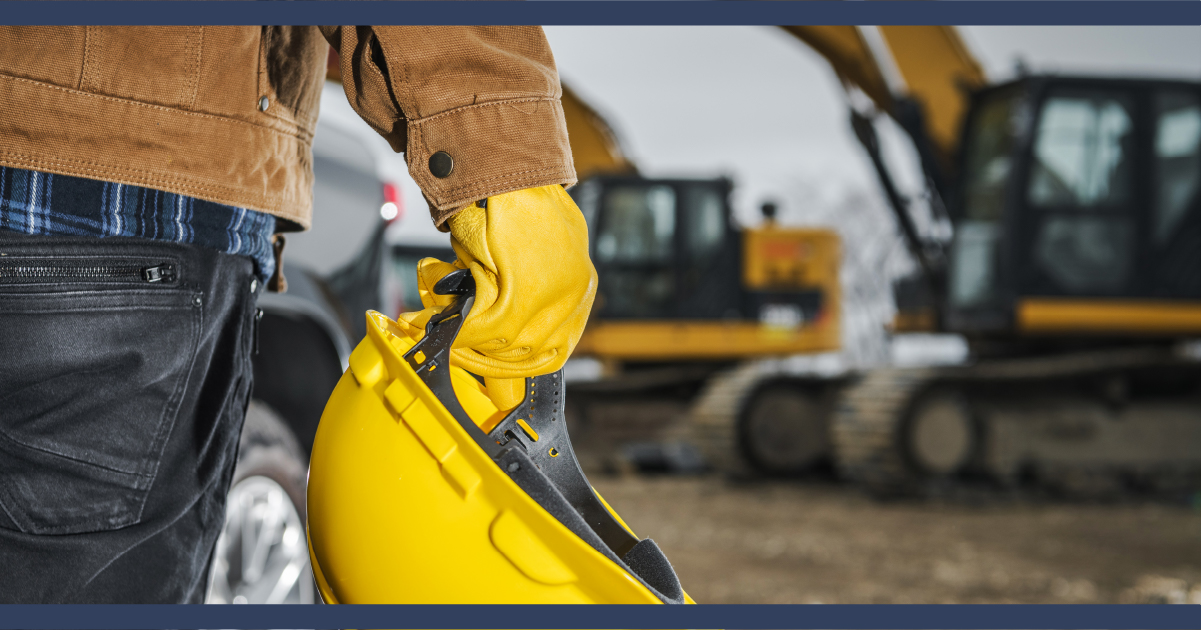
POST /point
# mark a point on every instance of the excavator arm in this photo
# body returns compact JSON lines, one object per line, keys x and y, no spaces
{"x":932,"y":75}
{"x":939,"y":73}
{"x":933,"y":63}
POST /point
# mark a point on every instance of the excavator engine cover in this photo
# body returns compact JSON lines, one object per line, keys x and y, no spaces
{"x":422,"y":492}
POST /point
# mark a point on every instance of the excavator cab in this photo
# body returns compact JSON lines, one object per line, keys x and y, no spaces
{"x":1074,"y":270}
{"x":1077,"y":211}
{"x":678,"y":280}
{"x":663,"y":248}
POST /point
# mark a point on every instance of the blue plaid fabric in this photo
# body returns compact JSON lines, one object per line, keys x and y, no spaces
{"x":32,"y":202}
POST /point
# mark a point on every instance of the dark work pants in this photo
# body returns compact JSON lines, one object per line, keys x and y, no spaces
{"x":121,"y":400}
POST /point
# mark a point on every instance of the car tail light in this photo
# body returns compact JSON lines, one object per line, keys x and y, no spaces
{"x":393,"y":207}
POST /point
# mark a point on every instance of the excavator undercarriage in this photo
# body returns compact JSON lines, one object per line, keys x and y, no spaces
{"x":1083,"y":425}
{"x":1088,"y":424}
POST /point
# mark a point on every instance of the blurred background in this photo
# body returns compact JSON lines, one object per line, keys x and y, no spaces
{"x":886,"y":315}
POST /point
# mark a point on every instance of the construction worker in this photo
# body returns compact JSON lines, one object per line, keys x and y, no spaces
{"x":144,"y":174}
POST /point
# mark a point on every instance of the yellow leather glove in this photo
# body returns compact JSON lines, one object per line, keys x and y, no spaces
{"x":534,"y":286}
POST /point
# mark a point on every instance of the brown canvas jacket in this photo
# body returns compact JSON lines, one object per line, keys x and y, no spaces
{"x":227,"y":113}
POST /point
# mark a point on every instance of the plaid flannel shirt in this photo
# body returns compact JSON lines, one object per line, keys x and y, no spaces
{"x":33,"y":202}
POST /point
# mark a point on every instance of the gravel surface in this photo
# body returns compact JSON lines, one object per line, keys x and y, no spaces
{"x":809,"y":542}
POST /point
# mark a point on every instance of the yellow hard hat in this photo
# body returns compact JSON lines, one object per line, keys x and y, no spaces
{"x":422,"y":492}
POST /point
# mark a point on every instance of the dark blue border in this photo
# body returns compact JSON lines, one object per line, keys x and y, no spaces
{"x":834,"y":617}
{"x":649,"y":12}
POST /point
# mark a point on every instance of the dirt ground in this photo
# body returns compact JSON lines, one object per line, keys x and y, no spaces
{"x":809,"y":542}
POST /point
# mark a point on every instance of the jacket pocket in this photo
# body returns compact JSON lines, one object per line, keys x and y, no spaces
{"x":90,"y":386}
{"x":148,"y":64}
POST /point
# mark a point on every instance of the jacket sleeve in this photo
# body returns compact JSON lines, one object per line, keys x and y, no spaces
{"x":487,"y":96}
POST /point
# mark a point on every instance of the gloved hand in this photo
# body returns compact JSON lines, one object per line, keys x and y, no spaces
{"x":528,"y":253}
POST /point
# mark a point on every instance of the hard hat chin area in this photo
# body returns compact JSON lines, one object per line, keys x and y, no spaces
{"x":410,"y":501}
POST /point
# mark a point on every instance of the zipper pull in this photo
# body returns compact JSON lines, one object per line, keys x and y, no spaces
{"x":162,"y":273}
{"x":258,"y":320}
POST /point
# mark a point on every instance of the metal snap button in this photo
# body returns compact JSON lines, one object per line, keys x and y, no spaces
{"x":441,"y":165}
{"x":264,"y":102}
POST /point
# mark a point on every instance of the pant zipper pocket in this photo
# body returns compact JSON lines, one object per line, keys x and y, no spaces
{"x":39,"y":271}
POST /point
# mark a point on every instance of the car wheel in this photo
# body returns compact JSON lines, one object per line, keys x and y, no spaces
{"x":262,"y":554}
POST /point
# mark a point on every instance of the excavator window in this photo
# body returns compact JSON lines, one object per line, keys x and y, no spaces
{"x":1081,"y":189}
{"x":662,"y":248}
{"x":1176,"y":224}
{"x":710,"y":269}
{"x":989,"y":163}
{"x":1177,"y":159}
{"x":635,"y":250}
{"x":990,"y":157}
{"x":1083,"y":151}
{"x":705,"y":227}
{"x":639,"y":225}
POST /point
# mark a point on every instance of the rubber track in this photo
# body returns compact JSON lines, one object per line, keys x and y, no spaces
{"x":867,"y":419}
{"x":714,"y":417}
{"x":864,"y":428}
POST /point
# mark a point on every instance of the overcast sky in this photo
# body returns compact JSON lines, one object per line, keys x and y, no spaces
{"x":755,"y":104}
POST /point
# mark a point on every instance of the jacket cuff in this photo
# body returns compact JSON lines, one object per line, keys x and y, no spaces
{"x":494,"y":148}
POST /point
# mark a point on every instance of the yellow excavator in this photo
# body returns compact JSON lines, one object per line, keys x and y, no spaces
{"x":683,"y":295}
{"x":678,"y":280}
{"x":1073,"y":270}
